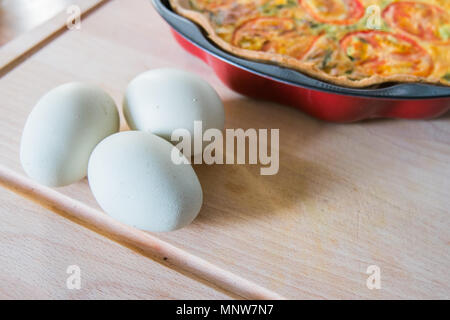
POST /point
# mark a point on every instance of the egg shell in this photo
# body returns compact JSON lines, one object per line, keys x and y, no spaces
{"x":63,"y":129}
{"x":163,"y":100}
{"x":134,"y":180}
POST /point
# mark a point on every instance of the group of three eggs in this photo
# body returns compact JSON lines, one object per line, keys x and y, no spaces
{"x":72,"y":133}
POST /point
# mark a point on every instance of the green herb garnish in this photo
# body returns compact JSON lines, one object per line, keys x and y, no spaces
{"x":363,"y":40}
{"x":326,"y":59}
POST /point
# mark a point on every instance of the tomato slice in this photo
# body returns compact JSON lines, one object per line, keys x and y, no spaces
{"x":384,"y":53}
{"x":425,"y":21}
{"x":341,"y":12}
{"x":272,"y":34}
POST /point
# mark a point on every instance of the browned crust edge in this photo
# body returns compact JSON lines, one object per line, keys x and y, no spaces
{"x":290,"y":62}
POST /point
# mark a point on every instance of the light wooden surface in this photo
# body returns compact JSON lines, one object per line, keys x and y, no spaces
{"x":346,"y":196}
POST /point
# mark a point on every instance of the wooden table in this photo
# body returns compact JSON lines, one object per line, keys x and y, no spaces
{"x":346,"y":196}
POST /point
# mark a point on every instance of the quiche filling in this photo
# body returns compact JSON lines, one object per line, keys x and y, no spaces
{"x":349,"y":42}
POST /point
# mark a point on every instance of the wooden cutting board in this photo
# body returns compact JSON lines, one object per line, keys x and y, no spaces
{"x":346,"y":196}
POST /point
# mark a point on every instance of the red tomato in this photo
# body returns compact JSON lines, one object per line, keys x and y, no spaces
{"x":272,"y":34}
{"x":334,"y":11}
{"x":385,"y":53}
{"x":418,"y":19}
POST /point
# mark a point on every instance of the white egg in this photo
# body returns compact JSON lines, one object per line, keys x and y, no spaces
{"x":134,"y":180}
{"x":63,"y":129}
{"x":163,"y":100}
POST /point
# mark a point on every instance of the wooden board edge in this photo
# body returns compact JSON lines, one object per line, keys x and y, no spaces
{"x":137,"y":240}
{"x":18,"y":49}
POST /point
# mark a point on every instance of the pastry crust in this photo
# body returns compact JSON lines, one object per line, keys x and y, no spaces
{"x":437,"y":52}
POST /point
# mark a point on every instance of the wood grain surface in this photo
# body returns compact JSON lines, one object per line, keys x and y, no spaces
{"x":37,"y":247}
{"x":20,"y":16}
{"x":346,"y":196}
{"x":18,"y":49}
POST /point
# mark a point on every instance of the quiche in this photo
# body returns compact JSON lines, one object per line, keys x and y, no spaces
{"x":355,"y":43}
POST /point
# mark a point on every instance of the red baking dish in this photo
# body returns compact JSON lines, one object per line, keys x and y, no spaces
{"x":320,"y":99}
